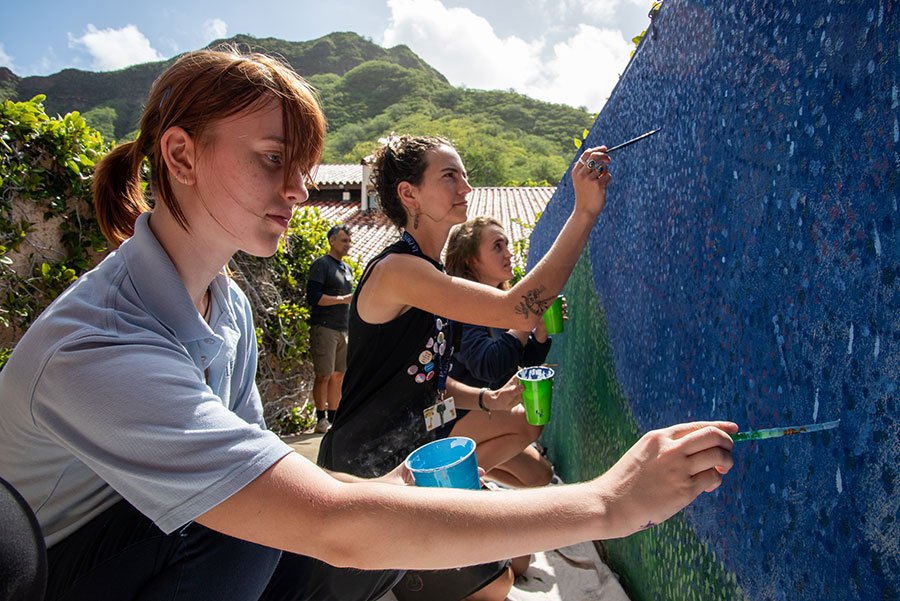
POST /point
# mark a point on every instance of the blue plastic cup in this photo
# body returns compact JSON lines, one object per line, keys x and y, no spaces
{"x":446,"y":463}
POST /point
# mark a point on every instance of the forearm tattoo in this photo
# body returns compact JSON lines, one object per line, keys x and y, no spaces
{"x":533,"y":304}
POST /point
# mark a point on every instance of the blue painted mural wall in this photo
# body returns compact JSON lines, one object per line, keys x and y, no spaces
{"x":747,"y":267}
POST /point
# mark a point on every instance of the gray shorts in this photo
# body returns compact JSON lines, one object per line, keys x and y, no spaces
{"x":329,"y":350}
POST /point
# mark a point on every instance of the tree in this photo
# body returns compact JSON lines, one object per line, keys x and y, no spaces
{"x":103,"y":119}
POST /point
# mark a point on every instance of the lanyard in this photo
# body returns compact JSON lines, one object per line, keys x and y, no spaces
{"x":443,"y":327}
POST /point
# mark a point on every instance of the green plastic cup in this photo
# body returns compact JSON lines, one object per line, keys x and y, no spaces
{"x":538,"y":393}
{"x":553,"y":317}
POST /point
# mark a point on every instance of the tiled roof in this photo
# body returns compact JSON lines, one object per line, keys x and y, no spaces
{"x":506,"y":204}
{"x":333,"y":175}
{"x":372,"y":231}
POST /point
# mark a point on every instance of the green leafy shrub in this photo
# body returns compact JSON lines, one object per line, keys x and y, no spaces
{"x":296,"y":420}
{"x":306,"y":240}
{"x":103,"y":119}
{"x":45,"y":176}
{"x":286,"y":334}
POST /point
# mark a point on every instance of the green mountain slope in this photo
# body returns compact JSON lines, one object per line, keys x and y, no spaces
{"x":367,"y":92}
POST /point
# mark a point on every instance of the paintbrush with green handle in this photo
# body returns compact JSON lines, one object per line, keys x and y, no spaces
{"x":779,"y":432}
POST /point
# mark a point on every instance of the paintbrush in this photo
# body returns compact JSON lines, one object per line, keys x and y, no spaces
{"x":600,"y":166}
{"x":779,"y":432}
{"x":633,"y":140}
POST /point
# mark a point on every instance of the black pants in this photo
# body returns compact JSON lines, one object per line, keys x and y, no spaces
{"x":122,"y":555}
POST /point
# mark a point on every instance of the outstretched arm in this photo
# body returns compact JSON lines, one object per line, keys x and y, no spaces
{"x":374,"y":525}
{"x":403,"y":280}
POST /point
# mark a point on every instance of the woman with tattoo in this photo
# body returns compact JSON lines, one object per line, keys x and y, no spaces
{"x":396,"y":393}
{"x":478,"y":250}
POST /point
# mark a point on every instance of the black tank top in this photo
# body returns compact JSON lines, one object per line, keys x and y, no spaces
{"x":391,"y":378}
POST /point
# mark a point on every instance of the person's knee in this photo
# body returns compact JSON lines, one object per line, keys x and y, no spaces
{"x":322,"y":379}
{"x":540,"y":473}
{"x":520,"y":564}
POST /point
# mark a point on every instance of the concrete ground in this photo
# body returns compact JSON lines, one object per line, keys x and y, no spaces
{"x":305,"y":444}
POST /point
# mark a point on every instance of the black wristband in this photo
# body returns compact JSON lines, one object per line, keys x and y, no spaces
{"x":481,"y":402}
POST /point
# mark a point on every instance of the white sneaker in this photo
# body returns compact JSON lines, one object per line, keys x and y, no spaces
{"x":322,"y":426}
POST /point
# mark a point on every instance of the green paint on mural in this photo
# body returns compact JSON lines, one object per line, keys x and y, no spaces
{"x":592,"y":426}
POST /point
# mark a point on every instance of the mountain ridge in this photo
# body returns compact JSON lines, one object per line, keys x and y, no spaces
{"x":366,"y":91}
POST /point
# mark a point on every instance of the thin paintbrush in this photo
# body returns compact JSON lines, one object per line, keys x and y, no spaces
{"x":633,"y":140}
{"x":779,"y":432}
{"x":600,"y":166}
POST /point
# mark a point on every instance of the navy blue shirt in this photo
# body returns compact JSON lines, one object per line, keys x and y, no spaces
{"x":490,"y":356}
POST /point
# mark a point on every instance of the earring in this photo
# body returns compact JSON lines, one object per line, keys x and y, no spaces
{"x":416,"y":221}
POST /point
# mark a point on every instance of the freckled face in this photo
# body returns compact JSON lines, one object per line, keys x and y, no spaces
{"x":444,"y":186}
{"x":493,"y":264}
{"x":240,"y":181}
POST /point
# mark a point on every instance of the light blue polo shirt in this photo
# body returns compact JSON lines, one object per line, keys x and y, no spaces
{"x":106,"y":397}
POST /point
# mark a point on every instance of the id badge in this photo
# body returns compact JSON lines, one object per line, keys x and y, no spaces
{"x":442,"y":412}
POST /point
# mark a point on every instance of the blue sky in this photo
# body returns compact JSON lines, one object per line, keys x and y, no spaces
{"x":556,"y":50}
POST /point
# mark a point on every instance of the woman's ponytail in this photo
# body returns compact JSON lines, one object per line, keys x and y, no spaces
{"x":118,"y":197}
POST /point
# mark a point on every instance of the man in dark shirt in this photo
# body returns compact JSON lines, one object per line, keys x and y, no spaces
{"x":328,"y":291}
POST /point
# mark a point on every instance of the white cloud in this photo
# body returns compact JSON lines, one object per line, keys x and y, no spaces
{"x":5,"y":59}
{"x":215,"y":29}
{"x":584,"y":69}
{"x":579,"y":71}
{"x":559,"y":7}
{"x":116,"y":48}
{"x":462,"y":45}
{"x":571,"y":12}
{"x":601,"y":11}
{"x":604,"y":11}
